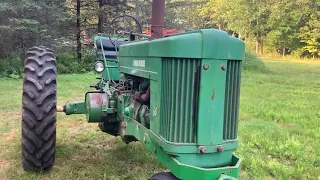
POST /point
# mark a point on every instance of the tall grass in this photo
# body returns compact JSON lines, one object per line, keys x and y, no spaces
{"x":254,"y":63}
{"x":68,"y":63}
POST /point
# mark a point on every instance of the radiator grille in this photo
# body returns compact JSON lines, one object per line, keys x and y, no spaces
{"x":231,"y":110}
{"x":179,"y":99}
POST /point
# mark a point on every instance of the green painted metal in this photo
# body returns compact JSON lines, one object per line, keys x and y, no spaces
{"x":232,"y":100}
{"x":205,"y":43}
{"x":179,"y":169}
{"x":178,"y":114}
{"x":75,"y":108}
{"x":211,"y":102}
{"x":97,"y":106}
{"x":111,"y":71}
{"x":93,"y":108}
{"x":150,"y":70}
{"x":190,"y":117}
{"x":194,"y":102}
{"x":226,"y":177}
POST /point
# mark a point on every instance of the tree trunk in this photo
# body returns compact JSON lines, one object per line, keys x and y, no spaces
{"x":78,"y":31}
{"x":257,"y":45}
{"x":100,"y":18}
{"x":261,"y":45}
{"x":283,"y":51}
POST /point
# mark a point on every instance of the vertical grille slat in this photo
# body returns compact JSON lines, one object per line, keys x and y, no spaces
{"x":182,"y":109}
{"x":168,"y":114}
{"x":177,"y":109}
{"x":188,"y":100}
{"x":232,"y":87}
{"x":178,"y":86}
{"x":238,"y":96}
{"x":172,"y":95}
{"x":232,"y":100}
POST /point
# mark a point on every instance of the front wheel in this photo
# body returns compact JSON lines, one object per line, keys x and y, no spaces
{"x":39,"y":109}
{"x":163,"y":176}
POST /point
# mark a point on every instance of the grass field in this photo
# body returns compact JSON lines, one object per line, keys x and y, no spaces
{"x":279,"y":131}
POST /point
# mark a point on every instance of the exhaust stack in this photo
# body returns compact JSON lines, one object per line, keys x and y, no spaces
{"x":157,"y":20}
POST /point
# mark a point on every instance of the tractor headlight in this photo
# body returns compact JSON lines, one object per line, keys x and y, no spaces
{"x":99,"y":66}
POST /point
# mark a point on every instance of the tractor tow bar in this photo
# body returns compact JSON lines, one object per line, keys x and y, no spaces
{"x":61,"y":109}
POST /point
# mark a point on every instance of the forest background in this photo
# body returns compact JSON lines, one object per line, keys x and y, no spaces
{"x":269,"y":27}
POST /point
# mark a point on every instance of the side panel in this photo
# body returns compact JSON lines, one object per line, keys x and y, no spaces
{"x":211,"y":102}
{"x":146,"y":67}
{"x":113,"y":71}
{"x":155,"y":106}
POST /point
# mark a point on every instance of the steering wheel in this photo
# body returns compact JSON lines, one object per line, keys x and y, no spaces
{"x":123,"y":25}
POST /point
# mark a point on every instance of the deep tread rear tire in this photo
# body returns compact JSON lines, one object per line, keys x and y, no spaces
{"x":164,"y":176}
{"x":39,"y":109}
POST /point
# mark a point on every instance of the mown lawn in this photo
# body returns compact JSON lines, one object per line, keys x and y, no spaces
{"x":279,"y":130}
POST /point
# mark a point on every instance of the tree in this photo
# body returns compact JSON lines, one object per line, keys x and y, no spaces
{"x":92,"y":15}
{"x":244,"y":17}
{"x":310,"y":31}
{"x":27,"y":23}
{"x":215,"y":11}
{"x":187,"y":14}
{"x":78,"y":29}
{"x":283,"y":23}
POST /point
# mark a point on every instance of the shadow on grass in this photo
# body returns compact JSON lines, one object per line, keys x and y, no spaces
{"x":115,"y":160}
{"x":91,"y":161}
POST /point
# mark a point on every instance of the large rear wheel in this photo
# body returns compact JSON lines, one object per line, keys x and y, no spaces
{"x":39,"y":109}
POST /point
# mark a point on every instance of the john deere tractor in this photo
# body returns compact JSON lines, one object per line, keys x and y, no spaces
{"x":177,"y":95}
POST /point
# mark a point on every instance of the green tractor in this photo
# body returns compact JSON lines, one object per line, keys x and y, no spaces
{"x":177,"y":95}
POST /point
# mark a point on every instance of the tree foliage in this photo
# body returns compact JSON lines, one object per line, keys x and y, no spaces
{"x":272,"y":26}
{"x":28,"y":22}
{"x":276,"y":26}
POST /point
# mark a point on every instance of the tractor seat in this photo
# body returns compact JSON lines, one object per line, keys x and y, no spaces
{"x":110,"y":54}
{"x":108,"y":46}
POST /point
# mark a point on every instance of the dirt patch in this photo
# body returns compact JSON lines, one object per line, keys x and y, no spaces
{"x":14,"y":115}
{"x":9,"y":121}
{"x":4,"y":167}
{"x":81,"y":127}
{"x":9,"y":137}
{"x":285,"y":125}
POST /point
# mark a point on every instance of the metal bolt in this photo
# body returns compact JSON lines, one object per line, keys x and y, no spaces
{"x":220,"y":149}
{"x":203,"y":150}
{"x":205,"y":66}
{"x":223,"y":67}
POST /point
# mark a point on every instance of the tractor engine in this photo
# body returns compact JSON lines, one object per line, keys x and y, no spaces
{"x":130,"y":97}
